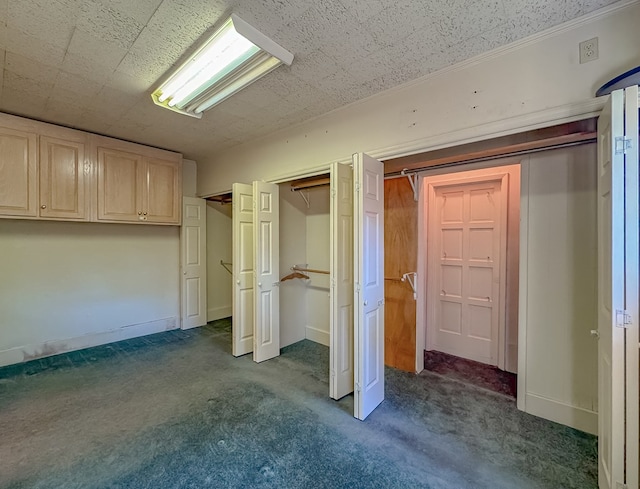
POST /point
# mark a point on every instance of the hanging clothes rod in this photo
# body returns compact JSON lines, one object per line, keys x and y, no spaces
{"x":310,"y":270}
{"x":225,"y":265}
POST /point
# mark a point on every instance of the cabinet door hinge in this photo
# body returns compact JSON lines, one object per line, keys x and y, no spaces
{"x":622,"y":144}
{"x":623,"y":319}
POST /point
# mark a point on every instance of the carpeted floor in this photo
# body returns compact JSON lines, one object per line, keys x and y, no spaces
{"x":176,"y":410}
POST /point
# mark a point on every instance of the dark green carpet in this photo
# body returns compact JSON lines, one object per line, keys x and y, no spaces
{"x":176,"y":410}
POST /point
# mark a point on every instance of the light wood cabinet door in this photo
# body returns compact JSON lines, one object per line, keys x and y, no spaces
{"x":62,"y":179}
{"x":162,"y":192}
{"x":119,"y":185}
{"x":18,"y":174}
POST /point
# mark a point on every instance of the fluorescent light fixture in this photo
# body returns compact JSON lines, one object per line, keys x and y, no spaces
{"x":234,"y":57}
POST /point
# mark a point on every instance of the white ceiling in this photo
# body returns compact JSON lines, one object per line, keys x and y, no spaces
{"x":91,"y":64}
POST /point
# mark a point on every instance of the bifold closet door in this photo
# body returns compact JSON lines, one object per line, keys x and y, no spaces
{"x":611,"y":294}
{"x":266,"y":225}
{"x":369,"y":284}
{"x":242,"y":258}
{"x":341,"y":259}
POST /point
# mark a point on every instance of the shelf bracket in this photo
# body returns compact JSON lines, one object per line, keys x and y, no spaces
{"x":304,"y":197}
{"x":411,"y":278}
{"x":413,"y":181}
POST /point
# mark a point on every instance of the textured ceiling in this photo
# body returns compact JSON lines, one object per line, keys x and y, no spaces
{"x":91,"y":64}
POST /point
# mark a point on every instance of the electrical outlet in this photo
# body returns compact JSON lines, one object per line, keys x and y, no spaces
{"x":589,"y":50}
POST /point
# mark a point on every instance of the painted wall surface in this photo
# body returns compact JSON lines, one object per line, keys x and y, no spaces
{"x":189,"y":177}
{"x":293,"y":251}
{"x":219,"y":243}
{"x":558,"y":300}
{"x":67,"y":286}
{"x":318,"y":251}
{"x":529,"y":84}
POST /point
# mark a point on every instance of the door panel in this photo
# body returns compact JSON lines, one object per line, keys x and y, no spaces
{"x":341,"y":328}
{"x":243,"y":300}
{"x":632,"y":289}
{"x":266,"y":324}
{"x":193,"y":244}
{"x":62,"y":179}
{"x":369,"y":284}
{"x":611,"y":273}
{"x":162,"y":187}
{"x":18,"y":179}
{"x":466,"y":229}
{"x":119,"y":191}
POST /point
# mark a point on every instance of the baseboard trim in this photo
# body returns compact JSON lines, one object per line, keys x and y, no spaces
{"x":317,"y":335}
{"x":560,"y":412}
{"x":221,"y":312}
{"x":54,"y":347}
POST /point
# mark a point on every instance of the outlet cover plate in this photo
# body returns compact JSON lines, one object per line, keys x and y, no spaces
{"x":589,"y":50}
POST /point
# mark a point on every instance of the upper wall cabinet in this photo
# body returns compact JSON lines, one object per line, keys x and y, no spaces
{"x":18,"y":179}
{"x":51,"y":172}
{"x":134,"y":187}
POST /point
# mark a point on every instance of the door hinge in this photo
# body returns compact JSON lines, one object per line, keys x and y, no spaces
{"x":357,"y":185}
{"x":357,"y":386}
{"x":333,"y":283}
{"x":623,"y":319}
{"x":622,"y":144}
{"x":621,"y":485}
{"x":333,"y":193}
{"x":357,"y":286}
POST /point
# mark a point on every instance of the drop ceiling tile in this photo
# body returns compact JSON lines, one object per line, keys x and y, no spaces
{"x":4,"y":11}
{"x":31,"y":47}
{"x":309,"y":67}
{"x":127,"y":83}
{"x":468,"y":22}
{"x":86,"y":68}
{"x":88,"y":46}
{"x":108,"y":24}
{"x":38,"y":87}
{"x":29,"y":68}
{"x":364,"y":10}
{"x":55,"y":27}
{"x":260,"y":95}
{"x":140,"y":10}
{"x":76,"y":84}
{"x":21,"y":103}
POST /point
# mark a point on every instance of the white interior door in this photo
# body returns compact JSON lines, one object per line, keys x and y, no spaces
{"x":341,"y":323}
{"x":632,"y":289}
{"x":193,"y":246}
{"x":242,"y":258}
{"x":611,"y":300}
{"x":369,"y":284}
{"x":467,"y":247}
{"x":266,"y":324}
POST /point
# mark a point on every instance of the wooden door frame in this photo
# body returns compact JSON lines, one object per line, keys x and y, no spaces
{"x":507,"y":172}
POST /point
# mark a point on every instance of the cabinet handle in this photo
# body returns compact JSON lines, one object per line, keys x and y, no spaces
{"x":144,"y":213}
{"x":139,"y":213}
{"x":43,"y":206}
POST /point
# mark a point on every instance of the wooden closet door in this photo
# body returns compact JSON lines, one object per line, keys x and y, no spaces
{"x":120,"y":177}
{"x":62,"y":179}
{"x":18,"y":184}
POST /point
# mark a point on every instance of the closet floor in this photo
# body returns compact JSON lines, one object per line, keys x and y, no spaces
{"x":177,"y":410}
{"x":470,"y":372}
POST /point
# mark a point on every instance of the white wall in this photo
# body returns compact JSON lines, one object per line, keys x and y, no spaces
{"x":189,"y":177}
{"x":293,"y":251}
{"x":318,"y":257}
{"x":219,"y":247}
{"x":531,"y":83}
{"x":67,"y":286}
{"x":558,"y":288}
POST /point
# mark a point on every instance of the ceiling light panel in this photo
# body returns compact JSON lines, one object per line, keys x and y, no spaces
{"x":233,"y":58}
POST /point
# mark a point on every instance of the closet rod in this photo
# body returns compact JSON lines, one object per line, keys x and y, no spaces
{"x":311,"y":270}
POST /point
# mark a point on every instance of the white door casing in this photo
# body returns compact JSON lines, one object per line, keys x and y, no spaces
{"x":242,"y":258}
{"x":369,"y":284}
{"x":341,"y":323}
{"x":632,"y":288}
{"x":193,"y":247}
{"x":466,"y":250}
{"x":611,"y":300}
{"x":266,"y":323}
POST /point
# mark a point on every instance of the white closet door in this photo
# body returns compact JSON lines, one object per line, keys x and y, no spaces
{"x":193,"y":244}
{"x":341,"y":327}
{"x":369,"y":283}
{"x":632,"y":290}
{"x":266,"y":324}
{"x":611,"y":283}
{"x":242,"y":258}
